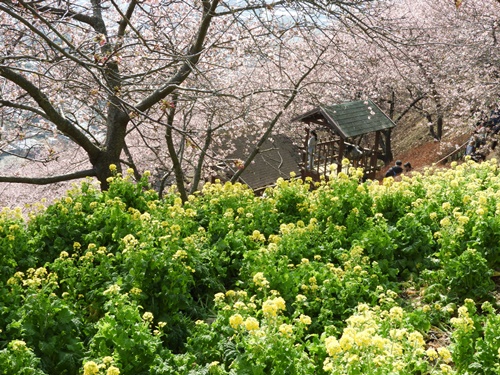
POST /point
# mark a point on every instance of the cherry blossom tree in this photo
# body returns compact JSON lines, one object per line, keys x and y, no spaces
{"x":167,"y":86}
{"x":150,"y":84}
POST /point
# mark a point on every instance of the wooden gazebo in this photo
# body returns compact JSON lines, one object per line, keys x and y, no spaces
{"x":349,"y":130}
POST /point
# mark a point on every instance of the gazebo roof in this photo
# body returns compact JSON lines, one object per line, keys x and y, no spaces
{"x":349,"y":119}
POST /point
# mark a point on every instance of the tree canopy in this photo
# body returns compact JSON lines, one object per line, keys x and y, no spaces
{"x":166,"y":85}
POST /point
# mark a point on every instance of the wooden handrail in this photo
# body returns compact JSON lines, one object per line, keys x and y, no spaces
{"x":453,"y":152}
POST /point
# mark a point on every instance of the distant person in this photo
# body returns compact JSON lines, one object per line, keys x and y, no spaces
{"x":408,"y":167}
{"x":395,"y":170}
{"x":470,"y":149}
{"x":311,"y":148}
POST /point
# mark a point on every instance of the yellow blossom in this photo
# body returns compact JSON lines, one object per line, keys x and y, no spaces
{"x":446,"y":206}
{"x":113,"y":289}
{"x":239,"y":305}
{"x":396,"y":313}
{"x":332,"y":346}
{"x":18,"y":345}
{"x":257,"y":236}
{"x":305,"y":319}
{"x":107,"y":360}
{"x":445,"y":354}
{"x":327,"y":365}
{"x":112,"y":370}
{"x":219,"y":297}
{"x":90,"y":368}
{"x":416,"y":339}
{"x":301,"y":298}
{"x":251,"y":324}
{"x":260,"y":280}
{"x":270,"y":308}
{"x":148,"y":317}
{"x":286,"y":329}
{"x":445,"y":222}
{"x":432,"y":354}
{"x":235,"y":321}
{"x":446,"y":369}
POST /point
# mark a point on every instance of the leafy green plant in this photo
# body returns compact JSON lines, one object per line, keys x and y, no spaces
{"x":468,"y":276}
{"x":19,"y":359}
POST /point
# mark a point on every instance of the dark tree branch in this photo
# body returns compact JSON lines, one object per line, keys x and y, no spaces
{"x":62,"y":124}
{"x":48,"y":180}
{"x":194,"y":55}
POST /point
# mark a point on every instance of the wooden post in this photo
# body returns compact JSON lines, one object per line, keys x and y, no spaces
{"x":373,"y":159}
{"x":304,"y":153}
{"x":341,"y":154}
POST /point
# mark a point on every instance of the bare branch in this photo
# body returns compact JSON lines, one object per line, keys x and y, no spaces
{"x":49,"y":180}
{"x":194,"y":54}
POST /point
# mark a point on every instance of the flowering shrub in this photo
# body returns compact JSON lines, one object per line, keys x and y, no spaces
{"x":18,"y":358}
{"x":346,"y":278}
{"x":378,"y":341}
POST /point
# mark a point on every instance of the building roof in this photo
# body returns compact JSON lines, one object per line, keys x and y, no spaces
{"x":350,"y":119}
{"x":277,"y":158}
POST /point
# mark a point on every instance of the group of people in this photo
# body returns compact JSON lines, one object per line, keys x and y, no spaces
{"x":398,"y":168}
{"x":484,"y":139}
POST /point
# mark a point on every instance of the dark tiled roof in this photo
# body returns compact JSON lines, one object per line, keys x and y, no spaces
{"x":277,"y":159}
{"x":350,"y":119}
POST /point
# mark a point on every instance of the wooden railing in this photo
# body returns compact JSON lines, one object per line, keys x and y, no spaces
{"x":328,"y":153}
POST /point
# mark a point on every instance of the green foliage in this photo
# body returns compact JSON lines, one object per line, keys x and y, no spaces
{"x":124,"y":335}
{"x":18,"y":359}
{"x":468,"y":276}
{"x":48,"y":324}
{"x":346,"y":277}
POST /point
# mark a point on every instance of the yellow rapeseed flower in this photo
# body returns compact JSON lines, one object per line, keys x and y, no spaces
{"x":396,"y":313}
{"x":304,"y":319}
{"x":148,"y":317}
{"x":446,"y":369}
{"x":90,"y":368}
{"x":112,"y":370}
{"x":235,"y":321}
{"x":432,"y":354}
{"x":286,"y":329}
{"x":332,"y":346}
{"x":269,"y":308}
{"x":445,"y":354}
{"x":107,"y":360}
{"x":251,"y":324}
{"x":260,"y":280}
{"x":18,"y":345}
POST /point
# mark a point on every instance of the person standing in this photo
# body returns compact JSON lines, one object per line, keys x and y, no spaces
{"x":311,"y":148}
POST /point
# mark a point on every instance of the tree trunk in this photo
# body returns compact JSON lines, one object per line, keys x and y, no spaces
{"x":432,"y":131}
{"x":388,"y":156}
{"x":178,"y":172}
